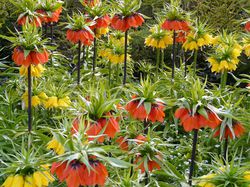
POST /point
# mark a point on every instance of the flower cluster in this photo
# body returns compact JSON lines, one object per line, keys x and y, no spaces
{"x":109,"y":124}
{"x":50,"y":11}
{"x":79,"y":30}
{"x":159,"y":38}
{"x":38,"y":178}
{"x":36,"y":70}
{"x":196,"y":121}
{"x":246,"y":47}
{"x":34,"y":57}
{"x":236,"y":130}
{"x":78,"y":171}
{"x":47,"y":102}
{"x":225,"y":56}
{"x":123,"y":24}
{"x":196,"y":40}
{"x":139,"y":110}
{"x":114,"y":50}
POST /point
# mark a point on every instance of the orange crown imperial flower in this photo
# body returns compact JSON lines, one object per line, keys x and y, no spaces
{"x":22,"y":20}
{"x":138,"y":111}
{"x":237,"y":128}
{"x":80,"y":173}
{"x":93,"y":129}
{"x":196,"y":121}
{"x":176,"y":25}
{"x":123,"y":24}
{"x":84,"y":36}
{"x":151,"y":164}
{"x":33,"y":57}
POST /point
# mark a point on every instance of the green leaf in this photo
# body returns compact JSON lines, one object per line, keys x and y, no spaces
{"x":147,"y":106}
{"x":203,"y":112}
{"x":26,"y":53}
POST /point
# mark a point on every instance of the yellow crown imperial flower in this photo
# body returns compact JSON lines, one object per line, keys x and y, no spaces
{"x":35,"y":100}
{"x":247,"y":49}
{"x":101,"y":31}
{"x":64,"y":102}
{"x":36,"y":70}
{"x":56,"y":146}
{"x":52,"y":102}
{"x":205,"y":181}
{"x":195,"y":40}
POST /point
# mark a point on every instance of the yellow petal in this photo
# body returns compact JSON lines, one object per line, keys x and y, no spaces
{"x":18,"y":181}
{"x":35,"y":101}
{"x":8,"y":182}
{"x":38,"y":179}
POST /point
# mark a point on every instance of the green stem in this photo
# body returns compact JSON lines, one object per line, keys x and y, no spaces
{"x":195,"y":61}
{"x":117,"y":73}
{"x":29,"y":100}
{"x":109,"y":73}
{"x":162,"y":58}
{"x":157,"y":61}
{"x":223,"y":80}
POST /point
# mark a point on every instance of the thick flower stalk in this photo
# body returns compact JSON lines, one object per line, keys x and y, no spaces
{"x":158,"y":39}
{"x":126,"y":19}
{"x":79,"y":32}
{"x":175,"y":21}
{"x":97,"y":12}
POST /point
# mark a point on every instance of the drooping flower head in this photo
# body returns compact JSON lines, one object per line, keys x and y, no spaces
{"x":113,"y":51}
{"x":79,"y":30}
{"x":232,"y":131}
{"x":26,"y":168}
{"x":28,"y":14}
{"x":148,"y":156}
{"x":98,"y":120}
{"x":197,"y":38}
{"x":98,"y":13}
{"x":175,"y":18}
{"x":145,"y":105}
{"x":75,"y":173}
{"x":29,"y":48}
{"x":195,"y":111}
{"x":225,"y":56}
{"x":49,"y":10}
{"x":159,"y":38}
{"x":127,"y":17}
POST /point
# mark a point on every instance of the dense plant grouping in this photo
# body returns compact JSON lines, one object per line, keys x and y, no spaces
{"x":83,"y":112}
